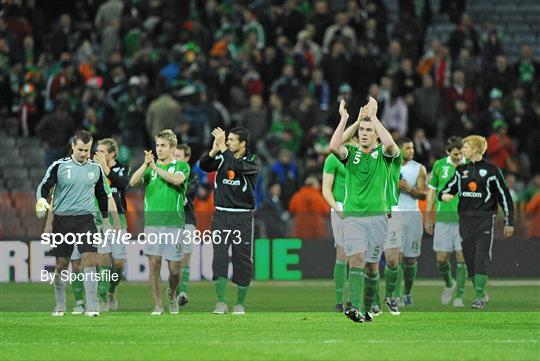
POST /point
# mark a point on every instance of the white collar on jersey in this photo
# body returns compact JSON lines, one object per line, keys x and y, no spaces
{"x":75,"y":161}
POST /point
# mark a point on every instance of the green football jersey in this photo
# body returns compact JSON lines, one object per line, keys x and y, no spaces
{"x":366,"y":182}
{"x":164,"y":202}
{"x":394,"y":168}
{"x":443,"y":171}
{"x":332,"y":165}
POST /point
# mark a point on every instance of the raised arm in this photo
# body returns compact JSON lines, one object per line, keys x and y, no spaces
{"x":336,"y":142}
{"x":137,"y":177}
{"x":390,"y":147}
{"x":175,"y":178}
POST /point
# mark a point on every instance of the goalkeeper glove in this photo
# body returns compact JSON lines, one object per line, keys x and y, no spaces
{"x":41,"y":207}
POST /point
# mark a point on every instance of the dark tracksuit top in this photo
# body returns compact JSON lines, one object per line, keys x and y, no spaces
{"x":234,"y":198}
{"x":481,"y":188}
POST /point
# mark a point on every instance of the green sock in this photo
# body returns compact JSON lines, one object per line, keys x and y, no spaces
{"x":117,"y":273}
{"x":398,"y":291}
{"x":103,"y":286}
{"x":390,"y":278}
{"x":409,"y":274}
{"x":445,"y":270}
{"x":339,"y":279}
{"x":242,"y":291}
{"x":183,"y":286}
{"x":480,"y":282}
{"x":376,"y":298}
{"x":77,"y":287}
{"x":221,"y":286}
{"x":370,"y":289}
{"x":356,"y":285}
{"x":461,"y":278}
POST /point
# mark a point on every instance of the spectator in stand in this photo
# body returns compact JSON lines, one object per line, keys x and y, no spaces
{"x":501,"y":150}
{"x":374,"y":35}
{"x":494,"y":111}
{"x":366,"y":68}
{"x":254,"y":119}
{"x":460,"y":122}
{"x":341,"y":30}
{"x":422,"y":147}
{"x":519,"y":116}
{"x":407,"y":79}
{"x":500,"y":77}
{"x":54,"y":130}
{"x":108,"y":12}
{"x":252,"y":25}
{"x":460,"y":90}
{"x":286,"y":86}
{"x":428,"y":107}
{"x":492,"y":48}
{"x":321,"y":19}
{"x":310,"y":210}
{"x":319,"y":89}
{"x":131,"y":114}
{"x":163,"y":113}
{"x":395,"y":114}
{"x":274,"y":215}
{"x":408,"y":30}
{"x":337,"y":66}
{"x":305,"y":110}
{"x":285,"y":172}
{"x":393,"y":60}
{"x":291,"y":21}
{"x":470,"y":67}
{"x":288,"y":131}
{"x":463,"y":36}
{"x":527,"y":69}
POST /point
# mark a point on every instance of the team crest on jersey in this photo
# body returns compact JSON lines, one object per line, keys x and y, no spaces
{"x":483,"y":172}
{"x":465,"y":174}
{"x":375,"y":154}
{"x":170,"y":170}
{"x":91,"y":175}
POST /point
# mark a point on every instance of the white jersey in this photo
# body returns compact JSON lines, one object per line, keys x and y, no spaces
{"x":409,"y":173}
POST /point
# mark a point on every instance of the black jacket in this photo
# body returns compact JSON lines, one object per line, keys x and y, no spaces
{"x":235,"y":180}
{"x":481,"y":186}
{"x":191,"y":192}
{"x":119,"y":181}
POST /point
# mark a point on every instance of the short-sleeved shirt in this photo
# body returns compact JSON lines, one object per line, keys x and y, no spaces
{"x":394,"y":169}
{"x":443,"y":171}
{"x":164,"y":202}
{"x":366,"y":182}
{"x":333,"y":166}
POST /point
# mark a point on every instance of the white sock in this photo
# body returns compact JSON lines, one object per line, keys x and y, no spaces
{"x":90,"y":288}
{"x":59,"y":291}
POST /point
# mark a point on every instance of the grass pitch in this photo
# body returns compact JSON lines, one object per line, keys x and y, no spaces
{"x":284,"y":321}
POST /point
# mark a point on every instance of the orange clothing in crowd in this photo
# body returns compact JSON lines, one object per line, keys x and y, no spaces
{"x":204,"y":209}
{"x":532,"y":211}
{"x":310,"y":209}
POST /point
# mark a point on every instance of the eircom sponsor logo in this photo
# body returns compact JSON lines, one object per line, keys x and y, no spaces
{"x":231,"y":182}
{"x":471,"y":194}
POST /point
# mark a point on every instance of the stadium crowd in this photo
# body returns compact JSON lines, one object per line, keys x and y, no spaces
{"x":131,"y":68}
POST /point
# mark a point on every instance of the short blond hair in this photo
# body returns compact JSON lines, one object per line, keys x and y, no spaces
{"x":168,"y":135}
{"x":477,"y":142}
{"x":111,"y":144}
